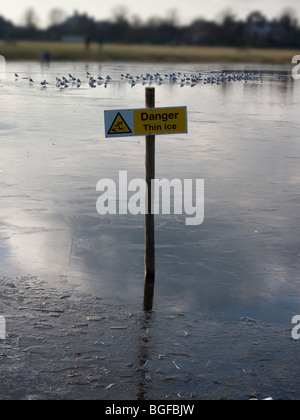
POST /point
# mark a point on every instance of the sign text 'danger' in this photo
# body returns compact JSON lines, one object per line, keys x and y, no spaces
{"x":143,"y":122}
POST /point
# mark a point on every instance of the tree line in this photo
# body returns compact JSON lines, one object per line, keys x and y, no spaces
{"x":255,"y":31}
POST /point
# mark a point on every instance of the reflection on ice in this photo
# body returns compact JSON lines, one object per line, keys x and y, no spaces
{"x":242,"y":141}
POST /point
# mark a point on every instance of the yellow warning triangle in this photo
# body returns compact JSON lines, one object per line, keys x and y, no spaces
{"x":119,"y":126}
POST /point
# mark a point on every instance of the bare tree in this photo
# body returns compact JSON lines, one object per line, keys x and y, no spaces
{"x":256,"y":18}
{"x":289,"y":18}
{"x":56,"y":16}
{"x":225,"y":16}
{"x":30,"y":18}
{"x":154,"y":22}
{"x":120,"y":14}
{"x":172,"y":17}
{"x":136,"y":21}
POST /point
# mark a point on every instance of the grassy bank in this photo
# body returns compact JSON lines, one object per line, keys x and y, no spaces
{"x":116,"y":52}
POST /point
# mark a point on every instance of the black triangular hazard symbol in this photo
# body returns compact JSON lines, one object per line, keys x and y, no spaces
{"x":119,"y":126}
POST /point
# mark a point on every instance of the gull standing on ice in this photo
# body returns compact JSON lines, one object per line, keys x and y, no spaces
{"x":44,"y":83}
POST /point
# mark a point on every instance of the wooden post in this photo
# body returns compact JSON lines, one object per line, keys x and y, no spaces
{"x":148,"y":295}
{"x":149,"y":218}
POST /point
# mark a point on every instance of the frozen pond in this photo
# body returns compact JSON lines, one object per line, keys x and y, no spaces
{"x":241,"y":265}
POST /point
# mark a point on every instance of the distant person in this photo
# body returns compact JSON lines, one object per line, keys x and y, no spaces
{"x":88,"y":41}
{"x":48,"y":58}
{"x":42,"y":56}
{"x":45,"y":57}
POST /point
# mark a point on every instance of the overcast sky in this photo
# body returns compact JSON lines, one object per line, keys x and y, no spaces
{"x":187,"y":10}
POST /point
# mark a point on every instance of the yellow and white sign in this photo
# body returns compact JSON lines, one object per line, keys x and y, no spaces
{"x":144,"y":122}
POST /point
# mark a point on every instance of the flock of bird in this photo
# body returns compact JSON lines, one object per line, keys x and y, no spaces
{"x":192,"y":79}
{"x":182,"y":79}
{"x":66,"y":82}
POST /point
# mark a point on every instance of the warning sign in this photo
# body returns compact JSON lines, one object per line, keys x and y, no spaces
{"x":119,"y":123}
{"x":144,"y":122}
{"x":119,"y":126}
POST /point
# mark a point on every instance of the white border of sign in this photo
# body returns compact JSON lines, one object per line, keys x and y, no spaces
{"x":127,"y":115}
